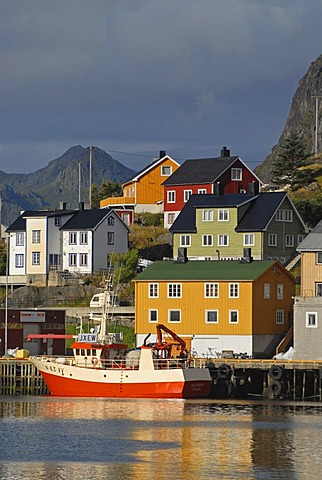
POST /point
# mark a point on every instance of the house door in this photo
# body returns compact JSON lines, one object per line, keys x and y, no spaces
{"x":34,"y":345}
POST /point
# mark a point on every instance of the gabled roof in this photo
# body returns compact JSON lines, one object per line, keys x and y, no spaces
{"x":20,"y":223}
{"x":313,"y":241}
{"x":89,"y":219}
{"x":186,"y":220}
{"x":261,"y":211}
{"x":149,"y":167}
{"x":202,"y":270}
{"x":201,"y":170}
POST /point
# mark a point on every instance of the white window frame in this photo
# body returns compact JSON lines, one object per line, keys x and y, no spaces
{"x":35,"y":258}
{"x":19,"y":260}
{"x":110,"y":221}
{"x":231,"y":312}
{"x":288,"y":216}
{"x":236,"y":174}
{"x":185,"y":240}
{"x":166,"y":170}
{"x":83,"y":238}
{"x":174,"y":310}
{"x":267,"y":291}
{"x":233,"y":290}
{"x":280,"y":291}
{"x":186,"y":195}
{"x":223,"y":215}
{"x":279,"y":317}
{"x":35,"y":236}
{"x":72,"y":260}
{"x":249,"y":239}
{"x":57,"y":221}
{"x":151,"y":311}
{"x":171,"y":196}
{"x":202,"y":191}
{"x":174,"y":290}
{"x":83,"y":259}
{"x":207,"y":215}
{"x":171,"y":218}
{"x":72,"y":238}
{"x":20,"y":239}
{"x":223,"y":240}
{"x":207,"y":240}
{"x":211,"y":290}
{"x":272,"y":240}
{"x":279,"y":215}
{"x":308,"y":320}
{"x":153,"y":290}
{"x":208,"y":312}
{"x":289,"y":240}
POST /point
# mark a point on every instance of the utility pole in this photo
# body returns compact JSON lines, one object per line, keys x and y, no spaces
{"x":317,"y":97}
{"x":79,"y":182}
{"x":90,"y":175}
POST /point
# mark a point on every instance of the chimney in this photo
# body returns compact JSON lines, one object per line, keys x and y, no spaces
{"x":81,"y":206}
{"x":182,"y":255}
{"x":62,"y":205}
{"x":162,"y":153}
{"x":247,"y":256}
{"x":224,"y":152}
{"x":253,"y":188}
{"x":218,"y":189}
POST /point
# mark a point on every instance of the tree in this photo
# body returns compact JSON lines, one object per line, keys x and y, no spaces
{"x":286,"y":168}
{"x":125,"y":265}
{"x":107,"y":189}
{"x":3,"y":257}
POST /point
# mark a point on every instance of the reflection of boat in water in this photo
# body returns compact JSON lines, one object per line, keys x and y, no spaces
{"x":102,"y":367}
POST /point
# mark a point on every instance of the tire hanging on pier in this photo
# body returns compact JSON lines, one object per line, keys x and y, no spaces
{"x":276,"y":372}
{"x":274,"y":388}
{"x":224,"y":371}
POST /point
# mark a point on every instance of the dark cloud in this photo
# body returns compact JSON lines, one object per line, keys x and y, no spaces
{"x":139,"y":76}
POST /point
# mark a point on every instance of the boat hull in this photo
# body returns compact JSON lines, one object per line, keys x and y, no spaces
{"x":72,"y":381}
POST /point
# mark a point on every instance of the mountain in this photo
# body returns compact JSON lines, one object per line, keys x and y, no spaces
{"x":59,"y":182}
{"x":301,"y":118}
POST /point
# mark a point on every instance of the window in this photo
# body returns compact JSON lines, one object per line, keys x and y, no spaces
{"x":72,"y":260}
{"x":234,"y":290}
{"x":35,"y":236}
{"x":279,"y":317}
{"x":110,"y":221}
{"x":207,"y":241}
{"x":153,"y":316}
{"x":223,"y":240}
{"x":284,"y":215}
{"x":289,"y":240}
{"x":319,"y":258}
{"x":279,"y":291}
{"x":236,"y":174}
{"x":185,"y":240}
{"x":211,"y":290}
{"x":272,"y":240}
{"x":300,"y":239}
{"x":249,"y":239}
{"x":211,"y":316}
{"x":233,"y":316}
{"x":166,"y":170}
{"x":318,"y":289}
{"x":202,"y":191}
{"x":311,"y":319}
{"x":19,"y":238}
{"x":110,"y":238}
{"x":83,"y":259}
{"x":83,"y":238}
{"x":174,"y":316}
{"x":153,"y":290}
{"x":223,"y":215}
{"x":19,"y":260}
{"x":72,"y":238}
{"x":267,"y":291}
{"x":57,"y":221}
{"x":35,"y":258}
{"x":207,"y":215}
{"x":174,"y":290}
{"x":186,"y":195}
{"x":171,"y":218}
{"x":171,"y":196}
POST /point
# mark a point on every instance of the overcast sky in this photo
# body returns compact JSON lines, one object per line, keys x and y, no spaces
{"x":139,"y":76}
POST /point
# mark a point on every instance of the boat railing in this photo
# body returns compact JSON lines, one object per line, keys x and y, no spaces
{"x":161,"y":364}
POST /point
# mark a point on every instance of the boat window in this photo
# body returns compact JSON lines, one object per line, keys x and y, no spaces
{"x":77,"y":351}
{"x":82,"y":351}
{"x":89,"y":352}
{"x":94,"y":352}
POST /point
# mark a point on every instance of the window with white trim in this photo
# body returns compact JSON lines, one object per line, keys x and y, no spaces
{"x":166,"y":170}
{"x":289,"y":240}
{"x":279,"y":317}
{"x":57,"y":221}
{"x":110,"y":221}
{"x":211,"y":290}
{"x":35,"y":236}
{"x":72,"y":238}
{"x":186,"y":195}
{"x":153,"y":315}
{"x":83,"y":238}
{"x":207,"y":215}
{"x":284,"y":215}
{"x":233,"y":316}
{"x":267,"y":291}
{"x":171,"y":196}
{"x":223,"y":240}
{"x":211,"y":316}
{"x":223,"y":215}
{"x":236,"y":174}
{"x":207,"y":240}
{"x":202,"y":191}
{"x":83,"y":258}
{"x":174,"y":290}
{"x":171,"y":218}
{"x":19,"y":260}
{"x":20,"y":238}
{"x":234,"y":290}
{"x":272,"y":240}
{"x":35,"y":258}
{"x":153,"y":290}
{"x":280,"y":291}
{"x":311,"y":319}
{"x":249,"y":239}
{"x":185,"y":240}
{"x":72,"y":260}
{"x":174,"y":316}
{"x":110,"y":238}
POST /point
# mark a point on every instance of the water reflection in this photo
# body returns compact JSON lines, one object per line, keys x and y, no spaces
{"x":55,"y":438}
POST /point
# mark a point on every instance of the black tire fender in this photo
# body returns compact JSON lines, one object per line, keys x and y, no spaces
{"x":223,"y":371}
{"x":275,"y":388}
{"x":276,"y":372}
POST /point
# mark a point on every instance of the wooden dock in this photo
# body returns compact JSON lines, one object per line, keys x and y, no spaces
{"x":20,"y":377}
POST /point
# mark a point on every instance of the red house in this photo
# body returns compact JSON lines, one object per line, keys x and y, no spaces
{"x":224,"y":174}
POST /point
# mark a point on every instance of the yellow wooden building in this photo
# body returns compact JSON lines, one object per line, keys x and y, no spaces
{"x":241,"y":306}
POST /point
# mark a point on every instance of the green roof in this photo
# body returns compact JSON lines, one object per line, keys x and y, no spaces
{"x":205,"y":270}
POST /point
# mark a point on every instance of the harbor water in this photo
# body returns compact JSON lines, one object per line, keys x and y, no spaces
{"x":46,"y":438}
